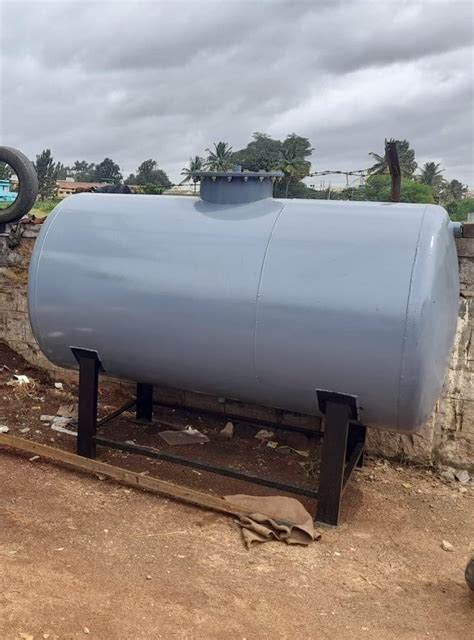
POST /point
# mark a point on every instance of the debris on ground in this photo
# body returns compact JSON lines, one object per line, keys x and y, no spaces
{"x":22,"y":379}
{"x":274,"y":518}
{"x":228,"y":431}
{"x":446,"y":546}
{"x":68,"y":411}
{"x":462,"y":476}
{"x":4,"y":428}
{"x":186,"y":436}
{"x":59,"y":424}
{"x":59,"y":386}
{"x":310,"y":468}
{"x":284,"y":450}
{"x":448,"y":474}
{"x":264,"y":435}
{"x":45,"y":418}
{"x":59,"y":421}
{"x":301,"y":452}
{"x":297,"y":441}
{"x":246,"y":430}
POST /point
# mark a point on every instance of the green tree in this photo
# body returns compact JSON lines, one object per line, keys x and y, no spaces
{"x":47,"y":171}
{"x":431,"y":174}
{"x":377,"y":189}
{"x":148,"y":174}
{"x":459,"y":210}
{"x":406,"y":156}
{"x":5,"y":171}
{"x":108,"y":171}
{"x":219,"y":158}
{"x":83,"y":171}
{"x":195,"y":164}
{"x":262,"y":153}
{"x":63,"y":172}
{"x":293,"y":163}
{"x":453,"y":191}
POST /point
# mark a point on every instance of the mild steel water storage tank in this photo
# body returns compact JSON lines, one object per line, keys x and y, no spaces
{"x":244,"y":296}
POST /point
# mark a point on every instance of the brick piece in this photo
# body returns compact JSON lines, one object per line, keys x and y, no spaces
{"x":468,"y":230}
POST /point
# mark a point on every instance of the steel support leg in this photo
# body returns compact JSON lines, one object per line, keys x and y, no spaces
{"x":356,"y":434}
{"x":144,"y":402}
{"x":89,"y":366}
{"x":333,"y":461}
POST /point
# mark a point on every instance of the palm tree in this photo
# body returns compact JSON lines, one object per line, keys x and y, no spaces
{"x":219,"y":159}
{"x":453,"y":191}
{"x":431,"y":174}
{"x":406,"y":157}
{"x":380,"y":166}
{"x":195,"y":164}
{"x":293,"y":164}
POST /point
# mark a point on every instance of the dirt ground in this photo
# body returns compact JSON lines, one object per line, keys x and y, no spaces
{"x":80,"y":557}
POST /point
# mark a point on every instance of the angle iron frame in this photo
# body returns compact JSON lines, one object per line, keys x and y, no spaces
{"x":342,"y":449}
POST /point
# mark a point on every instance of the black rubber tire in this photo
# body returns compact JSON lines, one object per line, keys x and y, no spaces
{"x":27,"y":184}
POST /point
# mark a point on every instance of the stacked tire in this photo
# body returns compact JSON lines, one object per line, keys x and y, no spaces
{"x":27,"y":184}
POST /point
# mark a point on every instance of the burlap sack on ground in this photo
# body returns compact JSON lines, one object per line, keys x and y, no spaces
{"x":274,"y":518}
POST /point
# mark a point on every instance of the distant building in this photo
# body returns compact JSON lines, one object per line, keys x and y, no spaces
{"x":5,"y":194}
{"x":65,"y":188}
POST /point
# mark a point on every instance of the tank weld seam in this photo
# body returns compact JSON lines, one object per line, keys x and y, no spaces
{"x":407,"y":312}
{"x":257,"y":298}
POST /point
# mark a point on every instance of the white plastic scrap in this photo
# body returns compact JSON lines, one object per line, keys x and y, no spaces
{"x":4,"y":428}
{"x":58,"y":385}
{"x":63,"y":430}
{"x":19,"y":379}
{"x":60,"y":424}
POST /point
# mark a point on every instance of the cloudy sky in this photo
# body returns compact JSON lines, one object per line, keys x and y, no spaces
{"x":134,"y":79}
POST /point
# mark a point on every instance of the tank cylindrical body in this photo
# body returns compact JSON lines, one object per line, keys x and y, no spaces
{"x":264,"y":302}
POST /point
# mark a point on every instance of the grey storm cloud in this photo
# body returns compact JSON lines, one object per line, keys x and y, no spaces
{"x":140,"y":79}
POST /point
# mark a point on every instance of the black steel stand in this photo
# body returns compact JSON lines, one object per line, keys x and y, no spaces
{"x":342,"y":450}
{"x":89,"y":366}
{"x":144,"y":409}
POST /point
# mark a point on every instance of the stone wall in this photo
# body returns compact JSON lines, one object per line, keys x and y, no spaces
{"x":447,"y":437}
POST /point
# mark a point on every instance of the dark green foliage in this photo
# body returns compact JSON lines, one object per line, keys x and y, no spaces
{"x":83,"y":171}
{"x":459,"y":210}
{"x":150,"y":176}
{"x":220,"y":158}
{"x":453,"y":191}
{"x":377,"y":189}
{"x":262,"y":153}
{"x":195,"y":164}
{"x":297,"y":189}
{"x":108,"y":171}
{"x":5,"y":171}
{"x":406,"y":156}
{"x":289,"y":156}
{"x":47,"y":172}
{"x":63,"y":172}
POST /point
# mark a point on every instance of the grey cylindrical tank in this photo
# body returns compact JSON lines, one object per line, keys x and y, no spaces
{"x":265,"y":301}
